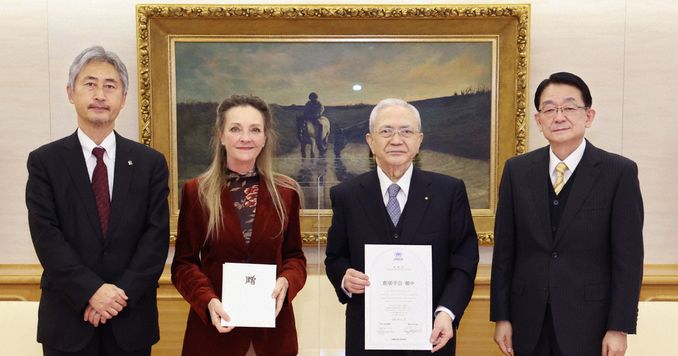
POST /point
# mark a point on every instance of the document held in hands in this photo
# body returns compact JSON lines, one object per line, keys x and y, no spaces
{"x":398,"y":302}
{"x":246,"y":294}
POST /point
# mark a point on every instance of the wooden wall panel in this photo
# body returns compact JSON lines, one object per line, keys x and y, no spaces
{"x":22,"y":283}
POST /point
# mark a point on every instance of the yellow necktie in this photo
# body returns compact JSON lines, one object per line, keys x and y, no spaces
{"x":560,"y":182}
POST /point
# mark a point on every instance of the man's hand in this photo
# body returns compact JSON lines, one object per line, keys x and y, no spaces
{"x":279,"y":293}
{"x":217,"y":312}
{"x":443,"y":331}
{"x":93,"y":316}
{"x":614,"y":343}
{"x":355,"y":282}
{"x":108,"y":301}
{"x":503,"y":336}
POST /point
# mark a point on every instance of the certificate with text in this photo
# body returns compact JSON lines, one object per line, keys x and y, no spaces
{"x":398,"y":301}
{"x":246,"y":294}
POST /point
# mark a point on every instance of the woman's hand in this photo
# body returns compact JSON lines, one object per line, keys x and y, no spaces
{"x":216,"y":313}
{"x":279,"y":293}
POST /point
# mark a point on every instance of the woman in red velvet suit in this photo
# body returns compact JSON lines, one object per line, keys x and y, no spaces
{"x":239,"y":210}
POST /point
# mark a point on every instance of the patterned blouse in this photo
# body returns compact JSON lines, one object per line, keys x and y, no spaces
{"x":244,"y":190}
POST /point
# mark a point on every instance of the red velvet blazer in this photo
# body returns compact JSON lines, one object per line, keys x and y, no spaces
{"x":197,"y":270}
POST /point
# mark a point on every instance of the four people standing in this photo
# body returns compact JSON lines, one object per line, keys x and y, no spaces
{"x":568,"y":257}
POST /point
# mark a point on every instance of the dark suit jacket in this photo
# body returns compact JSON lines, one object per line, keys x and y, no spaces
{"x":77,"y":260}
{"x":198,"y":265}
{"x":437,"y":213}
{"x":591,"y":271}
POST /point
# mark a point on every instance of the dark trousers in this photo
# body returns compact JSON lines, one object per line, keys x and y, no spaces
{"x":103,"y":343}
{"x":547,"y":344}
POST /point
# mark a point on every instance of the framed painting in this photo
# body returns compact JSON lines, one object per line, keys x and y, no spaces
{"x":463,"y":67}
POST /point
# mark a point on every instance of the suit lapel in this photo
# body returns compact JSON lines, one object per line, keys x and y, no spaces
{"x":75,"y":163}
{"x":588,"y":171}
{"x":417,"y":202}
{"x":373,"y":204}
{"x":124,"y":171}
{"x":536,"y":180}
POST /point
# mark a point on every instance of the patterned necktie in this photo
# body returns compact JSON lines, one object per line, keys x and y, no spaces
{"x":560,"y":182}
{"x":393,"y":207}
{"x":100,"y":187}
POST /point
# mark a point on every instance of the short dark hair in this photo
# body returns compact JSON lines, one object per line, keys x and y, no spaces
{"x":568,"y":79}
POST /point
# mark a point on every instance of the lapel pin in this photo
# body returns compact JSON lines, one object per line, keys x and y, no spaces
{"x":129,"y":163}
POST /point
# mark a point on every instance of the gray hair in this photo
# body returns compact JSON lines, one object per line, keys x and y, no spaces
{"x":392,"y":102}
{"x":97,"y":54}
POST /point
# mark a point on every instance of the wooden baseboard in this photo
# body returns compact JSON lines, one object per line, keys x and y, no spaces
{"x":22,"y":283}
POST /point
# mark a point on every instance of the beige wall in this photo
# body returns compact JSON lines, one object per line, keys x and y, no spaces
{"x":626,"y":51}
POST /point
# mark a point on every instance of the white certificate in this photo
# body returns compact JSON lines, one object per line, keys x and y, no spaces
{"x":246,"y":294}
{"x":398,"y":301}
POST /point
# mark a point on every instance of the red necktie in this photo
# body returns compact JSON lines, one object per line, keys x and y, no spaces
{"x":100,"y":187}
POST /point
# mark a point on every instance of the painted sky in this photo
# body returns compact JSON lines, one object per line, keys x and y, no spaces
{"x":285,"y":73}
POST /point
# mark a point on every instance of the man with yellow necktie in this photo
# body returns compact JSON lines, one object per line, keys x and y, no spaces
{"x":568,"y":255}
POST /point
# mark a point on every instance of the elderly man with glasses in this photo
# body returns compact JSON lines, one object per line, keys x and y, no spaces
{"x":398,"y":204}
{"x":568,"y":254}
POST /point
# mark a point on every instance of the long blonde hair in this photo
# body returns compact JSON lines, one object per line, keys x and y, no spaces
{"x":214,"y":179}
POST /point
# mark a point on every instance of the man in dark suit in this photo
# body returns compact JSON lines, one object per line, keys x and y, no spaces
{"x":99,"y":221}
{"x":568,"y":253}
{"x":435,"y":211}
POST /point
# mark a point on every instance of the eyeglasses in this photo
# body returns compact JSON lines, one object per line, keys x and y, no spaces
{"x":550,"y":112}
{"x":404,"y":132}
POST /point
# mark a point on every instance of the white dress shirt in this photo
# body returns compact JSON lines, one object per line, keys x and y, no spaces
{"x":571,"y":161}
{"x":404,"y":184}
{"x":109,"y":144}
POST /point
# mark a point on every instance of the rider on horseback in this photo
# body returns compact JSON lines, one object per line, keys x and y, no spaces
{"x":312,"y":112}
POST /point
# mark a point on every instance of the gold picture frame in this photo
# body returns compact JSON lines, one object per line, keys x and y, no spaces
{"x":506,"y":25}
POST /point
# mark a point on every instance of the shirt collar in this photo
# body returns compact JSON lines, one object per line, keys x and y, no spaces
{"x":403,"y":183}
{"x":572,"y":161}
{"x":236,"y":175}
{"x":87,"y":144}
